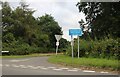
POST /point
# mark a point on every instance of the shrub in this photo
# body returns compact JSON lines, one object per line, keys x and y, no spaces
{"x":104,"y":48}
{"x":18,"y":48}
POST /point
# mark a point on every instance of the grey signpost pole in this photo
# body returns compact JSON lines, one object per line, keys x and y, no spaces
{"x":78,"y":47}
{"x":58,"y":37}
{"x":77,"y":32}
{"x":57,"y":47}
{"x":72,"y":45}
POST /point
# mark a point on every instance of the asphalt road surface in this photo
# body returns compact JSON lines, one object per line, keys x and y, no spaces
{"x":40,"y":66}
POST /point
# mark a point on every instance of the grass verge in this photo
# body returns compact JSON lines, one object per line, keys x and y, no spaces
{"x":26,"y":56}
{"x":89,"y":62}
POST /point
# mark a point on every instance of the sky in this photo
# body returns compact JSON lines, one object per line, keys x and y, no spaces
{"x":64,"y":12}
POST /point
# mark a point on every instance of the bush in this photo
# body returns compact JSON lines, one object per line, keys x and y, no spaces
{"x":18,"y":48}
{"x":105,"y":48}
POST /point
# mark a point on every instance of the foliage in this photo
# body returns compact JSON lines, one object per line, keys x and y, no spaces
{"x":49,"y":26}
{"x":101,"y":17}
{"x":102,"y":35}
{"x":105,"y":48}
{"x":24,"y":34}
{"x":8,"y":38}
{"x":63,"y":43}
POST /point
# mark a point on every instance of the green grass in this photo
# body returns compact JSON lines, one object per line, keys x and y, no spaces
{"x":26,"y":56}
{"x":89,"y":62}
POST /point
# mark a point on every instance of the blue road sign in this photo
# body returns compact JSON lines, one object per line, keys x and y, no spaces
{"x":75,"y":32}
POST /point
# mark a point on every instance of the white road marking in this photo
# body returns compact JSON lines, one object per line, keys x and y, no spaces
{"x":23,"y":66}
{"x":51,"y":67}
{"x":73,"y":70}
{"x":14,"y":61}
{"x":88,"y":71}
{"x":103,"y":72}
{"x":40,"y":66}
{"x":57,"y":69}
{"x":18,"y":60}
{"x":1,"y":65}
{"x":32,"y":67}
{"x":35,"y":67}
{"x":44,"y":68}
{"x":29,"y":66}
{"x":64,"y":68}
{"x":76,"y":69}
{"x":7,"y":65}
{"x":15,"y":65}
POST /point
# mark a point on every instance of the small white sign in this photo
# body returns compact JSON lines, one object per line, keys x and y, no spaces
{"x":57,"y":43}
{"x":4,"y":51}
{"x":72,"y":43}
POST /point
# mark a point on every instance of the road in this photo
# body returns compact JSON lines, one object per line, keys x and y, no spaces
{"x":40,"y":66}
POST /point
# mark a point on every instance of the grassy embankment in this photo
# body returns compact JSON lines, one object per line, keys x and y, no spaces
{"x":85,"y":62}
{"x":26,"y":56}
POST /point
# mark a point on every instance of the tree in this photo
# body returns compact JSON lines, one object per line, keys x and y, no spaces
{"x":63,"y":43}
{"x":25,"y":24}
{"x":102,"y":18}
{"x":49,"y":26}
{"x":6,"y":16}
{"x":8,"y":38}
{"x":23,"y":33}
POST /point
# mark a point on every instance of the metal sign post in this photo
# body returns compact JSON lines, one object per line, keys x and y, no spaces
{"x":57,"y":44}
{"x":77,"y":32}
{"x":72,"y":43}
{"x":58,"y":37}
{"x":78,"y":47}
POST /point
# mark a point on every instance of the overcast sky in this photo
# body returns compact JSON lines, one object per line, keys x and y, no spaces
{"x":64,"y":12}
